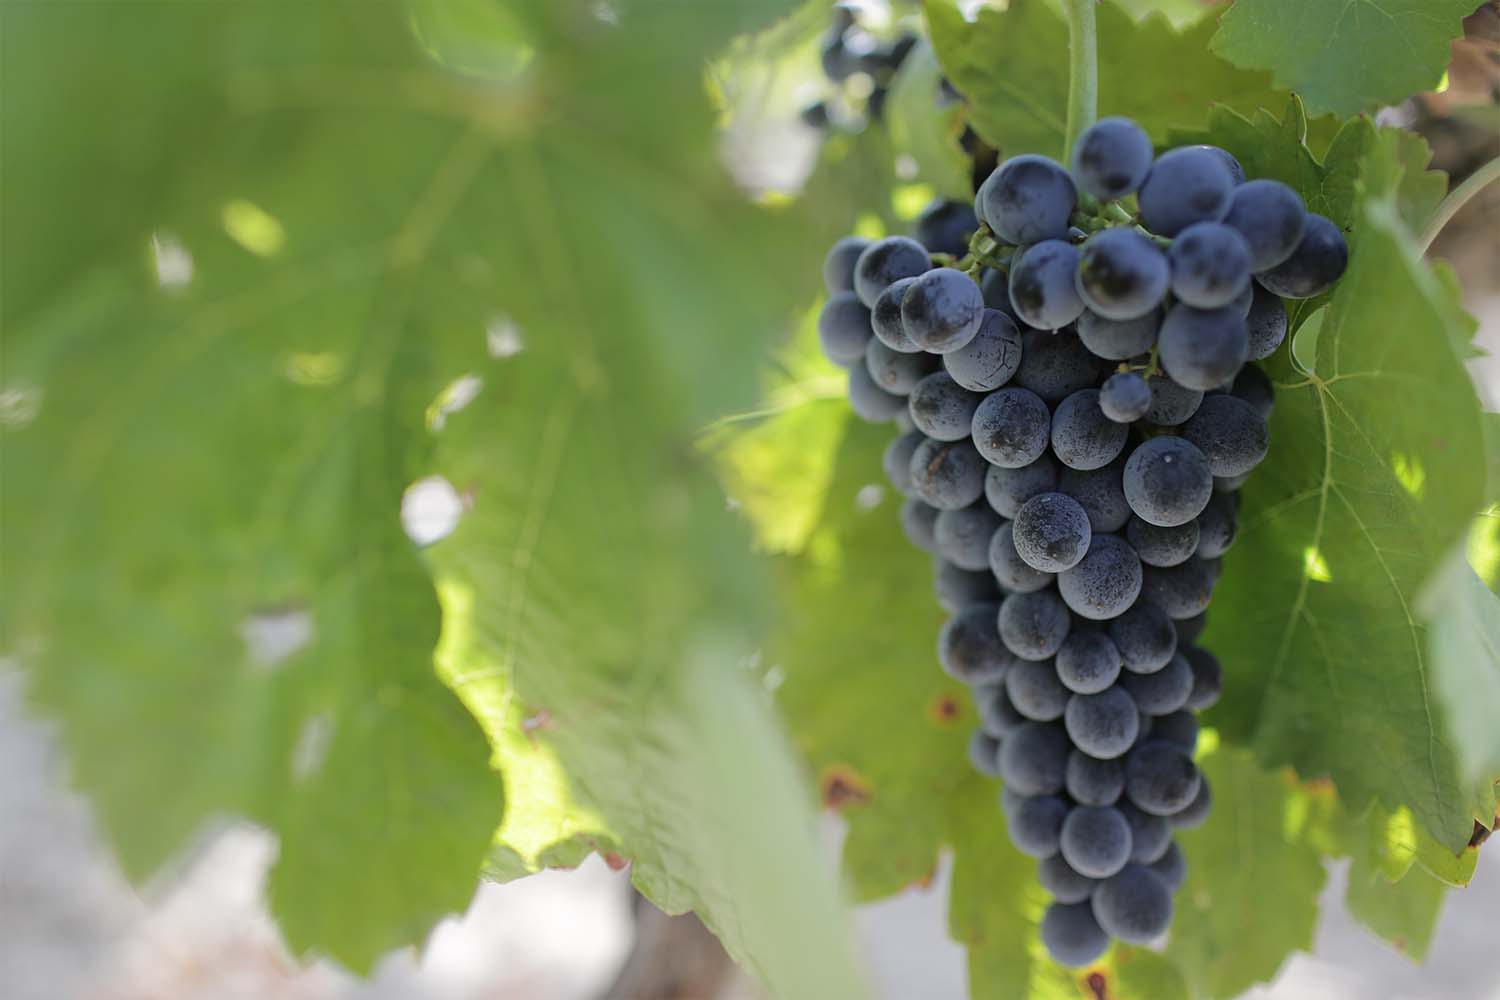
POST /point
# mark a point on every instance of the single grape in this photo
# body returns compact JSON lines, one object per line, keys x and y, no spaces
{"x":1229,"y":433}
{"x":1236,"y":172}
{"x":997,"y":715}
{"x":1318,"y":262}
{"x":945,"y":226}
{"x":1051,"y":532}
{"x":1160,"y":778}
{"x":1072,"y":935}
{"x":1033,"y":626}
{"x":1219,"y":523}
{"x":839,"y":64}
{"x":969,"y":648}
{"x":1171,"y":868}
{"x":885,"y":318}
{"x":886,"y":261}
{"x":1007,"y":566}
{"x":1271,"y":217}
{"x":1158,"y":546}
{"x":1243,"y":301}
{"x":1028,"y":199}
{"x":1208,"y":678}
{"x":994,"y":285}
{"x":1149,"y":835}
{"x":1171,"y":404}
{"x":1065,"y":885}
{"x":1056,"y":365}
{"x":1145,"y":638}
{"x":947,"y":475}
{"x":1010,"y":427}
{"x":1083,"y":437}
{"x":1033,"y":759}
{"x":942,"y":310}
{"x":1105,"y":583}
{"x":963,"y":536}
{"x":838,"y":266}
{"x":1118,"y":340}
{"x":918,"y":520}
{"x":1181,"y":591}
{"x":1203,"y":348}
{"x":1095,"y":840}
{"x":1121,"y":274}
{"x":1094,"y":782}
{"x":1266,"y":323}
{"x":844,"y":329}
{"x":1210,"y":265}
{"x":897,"y":460}
{"x":1134,"y":906}
{"x":895,"y":372}
{"x":1035,"y":824}
{"x":1042,"y":286}
{"x":1179,"y":727}
{"x":1167,"y":481}
{"x":1088,"y":662}
{"x":1007,"y":489}
{"x":1125,"y":398}
{"x":1189,"y":629}
{"x":1112,"y":158}
{"x":1035,"y":691}
{"x":1103,"y":725}
{"x":1187,"y":185}
{"x":984,"y":753}
{"x":941,"y":408}
{"x":1254,"y":387}
{"x":1195,"y":813}
{"x":1162,"y":692}
{"x":869,"y":401}
{"x":1100,"y":493}
{"x":989,"y":360}
{"x":958,"y":588}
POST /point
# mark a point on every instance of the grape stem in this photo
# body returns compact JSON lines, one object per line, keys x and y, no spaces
{"x":1457,"y":199}
{"x":1083,"y":71}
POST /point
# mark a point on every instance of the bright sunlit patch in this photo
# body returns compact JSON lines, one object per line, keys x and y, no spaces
{"x":1409,"y":473}
{"x":454,"y":397}
{"x":19,"y":405}
{"x":312,"y":747}
{"x":174,"y":265}
{"x":1442,"y":87}
{"x":430,"y":509}
{"x":314,"y":368}
{"x":907,"y":167}
{"x":503,"y":337}
{"x":1314,"y":566}
{"x":869,"y":496}
{"x":272,"y":637}
{"x":908,"y":200}
{"x":869,"y":226}
{"x":1208,"y":741}
{"x":253,"y":228}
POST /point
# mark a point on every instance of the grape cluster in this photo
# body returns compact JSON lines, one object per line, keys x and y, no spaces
{"x":847,"y":51}
{"x":1078,"y":413}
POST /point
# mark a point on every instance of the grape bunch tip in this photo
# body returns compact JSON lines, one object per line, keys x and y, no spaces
{"x":1079,"y":406}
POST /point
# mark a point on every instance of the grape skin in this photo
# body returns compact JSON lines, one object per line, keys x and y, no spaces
{"x":997,"y":715}
{"x":1167,"y":481}
{"x":1171,"y":868}
{"x":1103,"y":725}
{"x":984,"y":751}
{"x":1121,"y":275}
{"x":1203,"y":348}
{"x":1195,"y":813}
{"x":838,"y":266}
{"x":1229,"y":433}
{"x":1071,"y":934}
{"x":1105,"y":582}
{"x":1036,"y":824}
{"x":1181,"y":591}
{"x":1010,"y":427}
{"x":1319,"y":260}
{"x":886,"y":261}
{"x":1008,"y":489}
{"x":1218,"y":525}
{"x":1112,"y":158}
{"x":1271,"y":217}
{"x":1160,"y":778}
{"x":885,"y":318}
{"x":1265,"y":324}
{"x":1125,"y":398}
{"x":1158,"y":546}
{"x":989,"y":360}
{"x":1134,"y":906}
{"x":1171,"y":404}
{"x":1118,"y":340}
{"x":1101,"y":494}
{"x":1149,"y":835}
{"x":1187,"y":185}
{"x":918,"y":519}
{"x":1028,"y":199}
{"x":963,"y":536}
{"x":1210,"y":265}
{"x":945,"y":226}
{"x":1083,"y":437}
{"x":893,"y":371}
{"x":958,"y":588}
{"x":1042,"y":285}
{"x":1162,"y":692}
{"x":969,"y":648}
{"x":942,"y":409}
{"x":1179,"y":727}
{"x":947,"y":475}
{"x":1065,"y":885}
{"x":897,"y":460}
{"x":1094,"y":782}
{"x":1190,"y":628}
{"x":1033,"y":626}
{"x":994,"y":285}
{"x":1051,"y":532}
{"x":844,"y":329}
{"x":1208,"y":678}
{"x":1145,"y":637}
{"x":942,"y":310}
{"x":1088,"y":662}
{"x":1033,"y":758}
{"x":1095,"y":840}
{"x":869,"y":401}
{"x":1056,"y":365}
{"x":1007,"y":566}
{"x":1036,"y":692}
{"x":1254,"y":387}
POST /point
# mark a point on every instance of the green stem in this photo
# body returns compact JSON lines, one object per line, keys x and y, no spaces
{"x":1456,"y":200}
{"x":1083,"y":71}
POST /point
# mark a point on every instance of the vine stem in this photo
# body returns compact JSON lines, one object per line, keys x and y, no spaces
{"x":1083,"y":72}
{"x":1457,"y":199}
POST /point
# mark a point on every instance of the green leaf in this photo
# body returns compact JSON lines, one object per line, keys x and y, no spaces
{"x":1327,"y":660}
{"x":287,"y":270}
{"x":1231,"y":930}
{"x":1344,"y":57}
{"x":1013,"y":67}
{"x":1465,"y":622}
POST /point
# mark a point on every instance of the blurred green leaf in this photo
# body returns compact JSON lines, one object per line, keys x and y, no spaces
{"x":1346,"y":57}
{"x":1013,"y":67}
